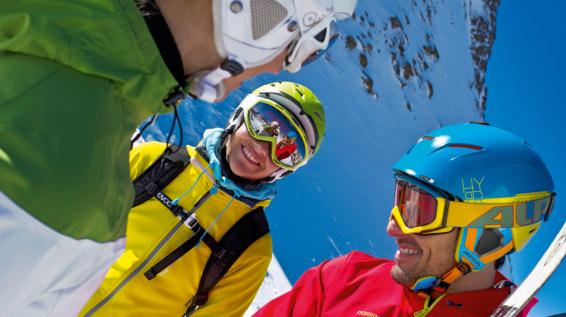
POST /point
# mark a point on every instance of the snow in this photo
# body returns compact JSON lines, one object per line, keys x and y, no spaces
{"x":274,"y":284}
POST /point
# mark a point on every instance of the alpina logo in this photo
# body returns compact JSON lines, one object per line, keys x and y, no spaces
{"x":366,"y":314}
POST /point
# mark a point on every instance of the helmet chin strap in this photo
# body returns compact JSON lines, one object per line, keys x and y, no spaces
{"x":428,"y":285}
{"x":208,"y":85}
{"x":433,"y":288}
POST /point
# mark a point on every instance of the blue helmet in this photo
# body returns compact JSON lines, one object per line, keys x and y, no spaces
{"x":474,"y":161}
{"x":478,"y":163}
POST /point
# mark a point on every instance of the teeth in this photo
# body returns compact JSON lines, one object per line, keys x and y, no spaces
{"x":250,"y":155}
{"x":408,"y":251}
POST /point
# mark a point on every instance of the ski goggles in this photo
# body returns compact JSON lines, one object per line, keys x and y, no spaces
{"x":312,"y":44}
{"x":269,"y":122}
{"x":421,"y":209}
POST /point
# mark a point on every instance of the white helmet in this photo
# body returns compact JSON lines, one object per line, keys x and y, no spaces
{"x":250,"y":33}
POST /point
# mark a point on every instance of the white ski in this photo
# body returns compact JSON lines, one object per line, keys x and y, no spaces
{"x":536,"y":279}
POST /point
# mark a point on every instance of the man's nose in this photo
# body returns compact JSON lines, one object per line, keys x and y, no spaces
{"x":393,"y":228}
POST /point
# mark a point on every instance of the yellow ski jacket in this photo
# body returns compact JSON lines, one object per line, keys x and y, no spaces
{"x":153,"y":232}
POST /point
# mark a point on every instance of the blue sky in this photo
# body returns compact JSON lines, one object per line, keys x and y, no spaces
{"x":527,"y":93}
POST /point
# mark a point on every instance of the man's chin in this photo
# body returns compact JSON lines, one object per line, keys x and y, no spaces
{"x":400,"y":276}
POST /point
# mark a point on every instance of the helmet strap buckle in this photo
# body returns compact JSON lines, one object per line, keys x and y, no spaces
{"x":232,"y":67}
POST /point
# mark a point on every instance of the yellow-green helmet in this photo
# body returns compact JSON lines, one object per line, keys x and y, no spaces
{"x":298,"y":102}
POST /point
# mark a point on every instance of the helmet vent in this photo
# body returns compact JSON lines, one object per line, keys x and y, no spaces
{"x":321,"y":36}
{"x":266,"y":14}
{"x":426,"y":137}
{"x":466,"y":146}
{"x":480,"y":122}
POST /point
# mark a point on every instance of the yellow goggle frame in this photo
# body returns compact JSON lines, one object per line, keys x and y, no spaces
{"x":273,"y":140}
{"x":492,"y":214}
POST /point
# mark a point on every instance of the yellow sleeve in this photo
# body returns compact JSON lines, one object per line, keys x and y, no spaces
{"x":143,"y":155}
{"x":235,"y":292}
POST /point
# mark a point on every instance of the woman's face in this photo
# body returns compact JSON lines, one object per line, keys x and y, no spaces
{"x":249,"y":158}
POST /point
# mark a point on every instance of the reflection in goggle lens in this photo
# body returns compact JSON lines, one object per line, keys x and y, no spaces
{"x":417,"y":207}
{"x":267,"y":121}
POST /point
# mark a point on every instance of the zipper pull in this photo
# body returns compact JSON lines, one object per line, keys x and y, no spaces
{"x":423,"y":312}
{"x":428,"y":306}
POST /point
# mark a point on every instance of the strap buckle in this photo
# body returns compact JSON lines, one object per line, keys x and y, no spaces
{"x":191,"y":221}
{"x":232,"y":67}
{"x":152,"y":188}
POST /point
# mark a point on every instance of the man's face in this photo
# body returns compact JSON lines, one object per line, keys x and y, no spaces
{"x":274,"y":67}
{"x":248,"y":157}
{"x":421,"y":255}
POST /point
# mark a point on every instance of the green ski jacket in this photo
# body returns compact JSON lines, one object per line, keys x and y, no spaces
{"x":76,"y":78}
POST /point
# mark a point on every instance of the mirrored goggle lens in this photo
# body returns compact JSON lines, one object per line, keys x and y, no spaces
{"x":332,"y":33}
{"x":417,"y":207}
{"x":268,"y":123}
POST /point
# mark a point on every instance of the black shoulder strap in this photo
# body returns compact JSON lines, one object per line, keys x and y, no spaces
{"x":243,"y":233}
{"x":161,"y":172}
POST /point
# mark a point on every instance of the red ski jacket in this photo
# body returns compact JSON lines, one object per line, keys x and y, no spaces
{"x":360,"y":285}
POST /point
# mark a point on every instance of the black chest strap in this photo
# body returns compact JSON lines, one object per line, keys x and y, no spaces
{"x":237,"y":239}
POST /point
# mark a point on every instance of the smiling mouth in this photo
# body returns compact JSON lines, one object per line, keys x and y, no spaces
{"x":407,"y":249}
{"x":407,"y":255}
{"x":250,"y":156}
